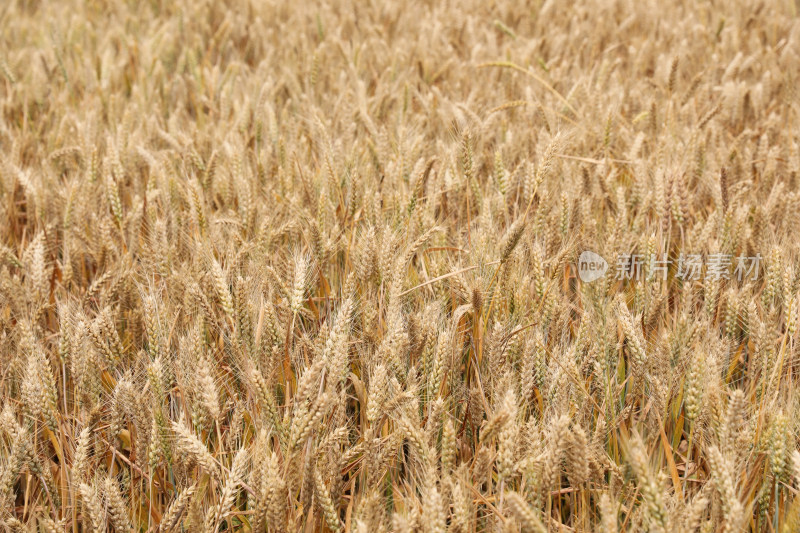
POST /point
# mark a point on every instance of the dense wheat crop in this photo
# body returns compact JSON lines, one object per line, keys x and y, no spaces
{"x":285,"y":266}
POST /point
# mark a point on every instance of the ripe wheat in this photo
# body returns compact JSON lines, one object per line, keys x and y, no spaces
{"x":290,"y":266}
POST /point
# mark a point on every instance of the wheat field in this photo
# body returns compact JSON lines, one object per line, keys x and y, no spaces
{"x":284,"y":266}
